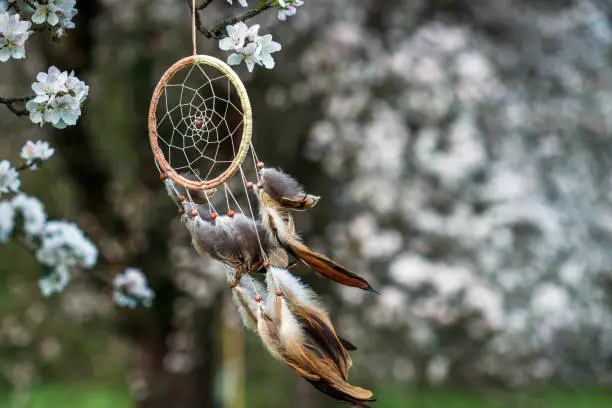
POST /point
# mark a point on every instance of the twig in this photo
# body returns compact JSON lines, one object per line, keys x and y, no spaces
{"x":217,"y":31}
{"x":9,"y":102}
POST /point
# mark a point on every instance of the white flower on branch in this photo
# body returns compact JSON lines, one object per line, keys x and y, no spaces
{"x":7,"y":220}
{"x":32,"y":212}
{"x":131,"y":287}
{"x":288,"y":9}
{"x":243,"y":3}
{"x":248,"y":46}
{"x":63,"y":243}
{"x":56,"y":13}
{"x":13,"y":35}
{"x":265,"y":47}
{"x":33,"y":153}
{"x":246,"y":54}
{"x":9,"y":178}
{"x":58,"y":99}
{"x":55,"y":281}
{"x":237,"y":35}
{"x":45,"y":14}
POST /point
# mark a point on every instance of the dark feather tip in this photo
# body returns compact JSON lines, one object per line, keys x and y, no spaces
{"x":371,"y":289}
{"x":347,"y":344}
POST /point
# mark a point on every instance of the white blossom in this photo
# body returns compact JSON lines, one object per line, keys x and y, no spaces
{"x":58,"y":99}
{"x":130,"y":287}
{"x":7,"y":220}
{"x":248,"y":46}
{"x":35,"y":152}
{"x":237,"y":35}
{"x":56,"y":13}
{"x":13,"y":35}
{"x":64,"y":243}
{"x":247,"y":55}
{"x":9,"y":178}
{"x":56,"y":281}
{"x":32,"y":212}
{"x":288,"y":10}
{"x":243,"y":3}
{"x":265,"y":47}
{"x":45,"y":14}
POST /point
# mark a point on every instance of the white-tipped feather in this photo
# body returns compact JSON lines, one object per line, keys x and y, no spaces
{"x":291,"y":286}
{"x":244,"y":298}
{"x":290,"y":330}
{"x":268,"y":329}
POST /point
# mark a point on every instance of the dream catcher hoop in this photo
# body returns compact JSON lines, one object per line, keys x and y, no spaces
{"x":200,"y":128}
{"x":199,"y":121}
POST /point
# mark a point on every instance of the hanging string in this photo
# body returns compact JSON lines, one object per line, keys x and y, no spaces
{"x":193,"y":26}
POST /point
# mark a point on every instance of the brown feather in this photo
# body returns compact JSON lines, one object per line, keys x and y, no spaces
{"x":276,"y":220}
{"x":326,"y":267}
{"x":313,"y":319}
{"x":286,"y":191}
{"x":347,"y":344}
{"x":302,"y":356}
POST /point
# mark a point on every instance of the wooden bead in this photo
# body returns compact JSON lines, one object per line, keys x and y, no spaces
{"x":213,"y":215}
{"x":258,"y":298}
{"x":163,"y":176}
{"x":180,"y":198}
{"x":181,"y":210}
{"x":260,"y":165}
{"x":266,"y":264}
{"x":249,"y":185}
{"x":260,"y":185}
{"x":279,"y":292}
{"x":194,"y":213}
{"x":230,"y":213}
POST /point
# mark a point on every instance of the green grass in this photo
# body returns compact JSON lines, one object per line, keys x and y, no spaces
{"x":81,"y":396}
{"x":91,"y":396}
{"x":396,"y":398}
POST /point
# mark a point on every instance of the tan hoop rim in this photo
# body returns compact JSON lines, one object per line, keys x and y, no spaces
{"x":247,"y":125}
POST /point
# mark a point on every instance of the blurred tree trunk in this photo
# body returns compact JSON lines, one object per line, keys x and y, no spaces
{"x":91,"y":174}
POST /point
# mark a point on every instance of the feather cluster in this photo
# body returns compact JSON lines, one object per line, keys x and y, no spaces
{"x":283,"y":311}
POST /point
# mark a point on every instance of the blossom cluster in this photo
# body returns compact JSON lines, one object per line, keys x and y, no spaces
{"x":56,"y":13}
{"x":13,"y":34}
{"x":243,"y":3}
{"x":130,"y":287}
{"x":15,"y":28}
{"x":58,"y":245}
{"x":248,"y":46}
{"x":58,"y":99}
{"x":288,"y":8}
{"x":9,"y":178}
{"x":34,"y":153}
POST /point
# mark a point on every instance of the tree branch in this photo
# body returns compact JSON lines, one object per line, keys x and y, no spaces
{"x":204,"y":4}
{"x":10,"y":104}
{"x":217,"y":31}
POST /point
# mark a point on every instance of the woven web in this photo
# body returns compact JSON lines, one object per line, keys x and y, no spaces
{"x":199,"y":130}
{"x":199,"y":122}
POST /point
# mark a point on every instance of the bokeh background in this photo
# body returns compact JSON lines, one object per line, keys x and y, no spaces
{"x":463,"y":152}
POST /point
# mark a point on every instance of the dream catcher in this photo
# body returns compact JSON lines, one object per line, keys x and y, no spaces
{"x":240,"y":213}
